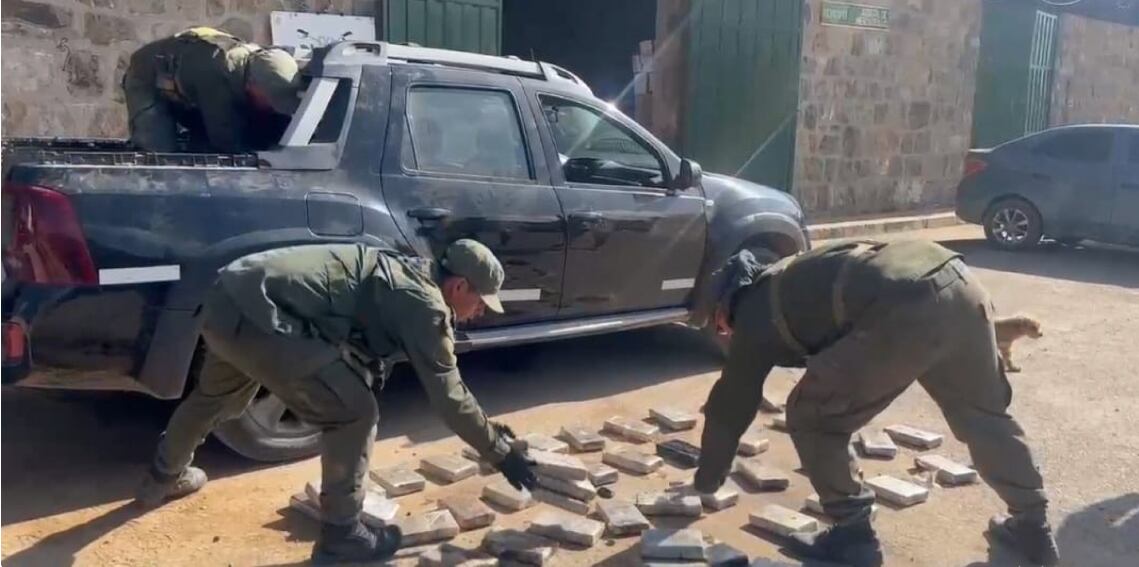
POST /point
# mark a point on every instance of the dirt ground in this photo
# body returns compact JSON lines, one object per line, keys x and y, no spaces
{"x":70,"y":461}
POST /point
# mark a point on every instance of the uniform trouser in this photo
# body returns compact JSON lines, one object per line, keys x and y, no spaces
{"x":308,"y":375}
{"x":940,"y":335}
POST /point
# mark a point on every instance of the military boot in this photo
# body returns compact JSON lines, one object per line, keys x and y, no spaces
{"x":1033,"y":540}
{"x":355,"y":543}
{"x":853,"y":544}
{"x":157,"y":487}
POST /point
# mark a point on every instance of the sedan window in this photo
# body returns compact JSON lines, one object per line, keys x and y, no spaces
{"x":1085,"y":146}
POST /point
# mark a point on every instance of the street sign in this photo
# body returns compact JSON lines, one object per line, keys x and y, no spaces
{"x":855,"y":15}
{"x":304,"y":31}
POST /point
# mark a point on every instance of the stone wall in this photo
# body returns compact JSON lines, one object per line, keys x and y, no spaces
{"x":64,"y":59}
{"x":1097,"y":72}
{"x":885,"y":116}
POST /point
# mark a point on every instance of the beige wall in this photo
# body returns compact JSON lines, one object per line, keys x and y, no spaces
{"x":63,"y":59}
{"x":1097,"y":75}
{"x":885,"y":116}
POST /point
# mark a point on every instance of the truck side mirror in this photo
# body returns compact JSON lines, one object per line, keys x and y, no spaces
{"x":689,"y":175}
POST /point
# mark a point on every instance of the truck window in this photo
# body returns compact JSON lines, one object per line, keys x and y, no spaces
{"x":595,"y":149}
{"x":464,"y":131}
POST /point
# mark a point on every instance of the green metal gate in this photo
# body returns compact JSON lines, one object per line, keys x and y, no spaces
{"x":465,"y":25}
{"x":743,"y":87}
{"x":1014,"y":72}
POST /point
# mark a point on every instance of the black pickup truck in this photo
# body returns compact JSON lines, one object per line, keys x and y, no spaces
{"x":600,"y":227}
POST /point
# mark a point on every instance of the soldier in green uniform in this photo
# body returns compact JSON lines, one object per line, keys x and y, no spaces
{"x":229,"y":95}
{"x":866,"y":320}
{"x":307,"y":323}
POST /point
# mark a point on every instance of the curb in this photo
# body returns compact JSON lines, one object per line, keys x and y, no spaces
{"x":867,"y":227}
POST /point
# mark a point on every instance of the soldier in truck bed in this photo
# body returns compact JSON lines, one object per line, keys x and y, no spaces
{"x":866,"y":320}
{"x":230,"y":96}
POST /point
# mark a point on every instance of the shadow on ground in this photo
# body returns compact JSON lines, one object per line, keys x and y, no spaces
{"x":67,"y":451}
{"x":1091,"y":263}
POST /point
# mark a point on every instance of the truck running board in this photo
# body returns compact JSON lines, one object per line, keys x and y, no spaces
{"x":538,"y":332}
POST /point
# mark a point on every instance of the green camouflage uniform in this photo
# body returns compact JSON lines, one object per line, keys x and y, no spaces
{"x":867,"y":320}
{"x":287,"y":319}
{"x":197,"y":79}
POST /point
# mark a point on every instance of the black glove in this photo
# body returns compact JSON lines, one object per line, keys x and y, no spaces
{"x":517,"y":468}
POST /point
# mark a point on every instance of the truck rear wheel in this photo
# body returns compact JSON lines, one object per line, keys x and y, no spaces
{"x":266,"y":431}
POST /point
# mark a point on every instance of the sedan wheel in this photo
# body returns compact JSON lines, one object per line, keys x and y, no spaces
{"x":1013,"y":224}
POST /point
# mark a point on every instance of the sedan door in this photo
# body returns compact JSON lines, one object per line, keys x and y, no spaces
{"x":1071,"y":171}
{"x":634,"y":243}
{"x":463,"y":160}
{"x":1125,"y":212}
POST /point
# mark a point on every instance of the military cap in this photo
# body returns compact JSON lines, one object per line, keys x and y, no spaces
{"x":475,"y":262}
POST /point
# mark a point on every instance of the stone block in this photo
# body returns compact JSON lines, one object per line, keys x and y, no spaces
{"x":398,"y":480}
{"x":469,"y":512}
{"x":751,"y":444}
{"x":559,"y":466}
{"x":815,"y":506}
{"x":622,"y":518}
{"x":779,"y":422}
{"x":301,"y":503}
{"x":679,"y":452}
{"x":561,"y":501}
{"x":448,"y":555}
{"x":948,"y":471}
{"x":448,"y":468}
{"x":582,"y":439}
{"x":631,"y":429}
{"x":104,"y":29}
{"x":312,"y":490}
{"x":37,"y":13}
{"x":661,"y":543}
{"x":485,"y":467}
{"x":725,"y":497}
{"x":724,"y":555}
{"x":543,"y":442}
{"x":567,"y":529}
{"x":669,"y":504}
{"x":429,"y":527}
{"x":914,"y":437}
{"x":782,"y":521}
{"x":897,"y":491}
{"x":876,"y":443}
{"x":577,"y":489}
{"x":632,"y":460}
{"x":673,"y":419}
{"x":761,"y":476}
{"x":519,"y":546}
{"x":377,"y":509}
{"x":602,"y":474}
{"x":500,"y":493}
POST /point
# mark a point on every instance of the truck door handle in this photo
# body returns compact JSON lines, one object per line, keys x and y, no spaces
{"x":429,"y":213}
{"x":587,"y":217}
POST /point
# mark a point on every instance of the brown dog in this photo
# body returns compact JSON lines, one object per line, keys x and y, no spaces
{"x":1008,"y":330}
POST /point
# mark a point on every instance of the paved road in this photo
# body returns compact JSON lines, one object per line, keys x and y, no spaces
{"x":70,"y":462}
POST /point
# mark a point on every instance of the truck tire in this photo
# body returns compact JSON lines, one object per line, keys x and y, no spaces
{"x":266,"y":431}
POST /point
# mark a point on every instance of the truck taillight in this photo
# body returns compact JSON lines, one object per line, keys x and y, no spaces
{"x":46,"y":244}
{"x":15,"y":342}
{"x":974,"y":165}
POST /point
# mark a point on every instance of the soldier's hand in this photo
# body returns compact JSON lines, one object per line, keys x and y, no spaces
{"x":518,"y":468}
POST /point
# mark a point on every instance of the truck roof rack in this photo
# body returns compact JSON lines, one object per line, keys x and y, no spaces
{"x":381,"y":52}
